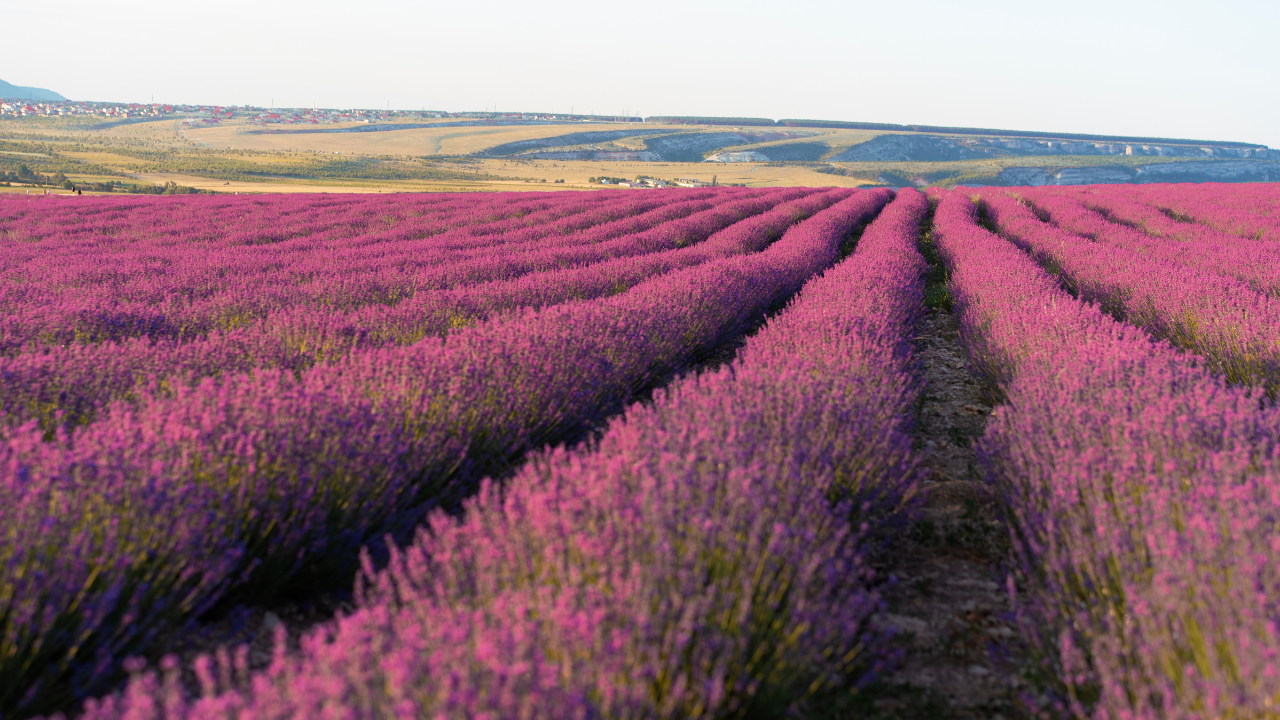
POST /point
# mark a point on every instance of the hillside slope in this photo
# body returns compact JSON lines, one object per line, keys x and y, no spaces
{"x":27,"y":93}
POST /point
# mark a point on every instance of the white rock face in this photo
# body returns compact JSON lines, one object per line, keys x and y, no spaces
{"x":641,"y":155}
{"x":689,"y":147}
{"x":734,"y":157}
{"x":1092,"y":176}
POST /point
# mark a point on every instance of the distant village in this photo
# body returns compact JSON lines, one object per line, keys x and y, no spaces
{"x":68,"y":108}
{"x":212,"y":114}
{"x":199,"y":114}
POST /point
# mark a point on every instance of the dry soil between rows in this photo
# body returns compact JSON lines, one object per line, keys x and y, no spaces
{"x":946,"y":595}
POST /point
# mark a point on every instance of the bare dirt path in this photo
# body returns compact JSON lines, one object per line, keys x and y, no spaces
{"x":947,"y":596}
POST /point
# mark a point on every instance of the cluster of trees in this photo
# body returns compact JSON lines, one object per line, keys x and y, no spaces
{"x":169,"y":188}
{"x":23,"y":174}
{"x":45,"y":158}
{"x":26,"y":176}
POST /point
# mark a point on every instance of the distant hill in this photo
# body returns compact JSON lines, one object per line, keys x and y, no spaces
{"x":27,"y":93}
{"x":890,"y":127}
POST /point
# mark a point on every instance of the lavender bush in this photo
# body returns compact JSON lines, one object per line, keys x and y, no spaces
{"x":1142,"y":490}
{"x":698,"y":561}
{"x":139,"y":521}
{"x":1233,"y":327}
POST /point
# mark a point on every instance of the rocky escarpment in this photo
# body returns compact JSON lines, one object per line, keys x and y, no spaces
{"x":737,"y":156}
{"x":936,"y":148}
{"x":782,"y":152}
{"x":795,"y":151}
{"x":576,"y":138}
{"x":1194,"y":171}
{"x":652,"y":144}
{"x":692,"y":147}
{"x":906,"y":148}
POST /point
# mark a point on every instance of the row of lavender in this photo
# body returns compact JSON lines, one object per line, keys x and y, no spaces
{"x":705,"y":558}
{"x":1143,"y":481}
{"x":244,"y":484}
{"x":155,"y":277}
{"x":1217,"y":298}
{"x":69,"y":384}
{"x":1249,"y":211}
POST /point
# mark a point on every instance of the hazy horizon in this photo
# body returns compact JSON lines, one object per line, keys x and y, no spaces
{"x":1144,"y":69}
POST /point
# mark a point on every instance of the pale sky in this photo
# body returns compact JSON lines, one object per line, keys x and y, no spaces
{"x":1176,"y":69}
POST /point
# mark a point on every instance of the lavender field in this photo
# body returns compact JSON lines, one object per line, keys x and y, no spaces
{"x":629,"y":454}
